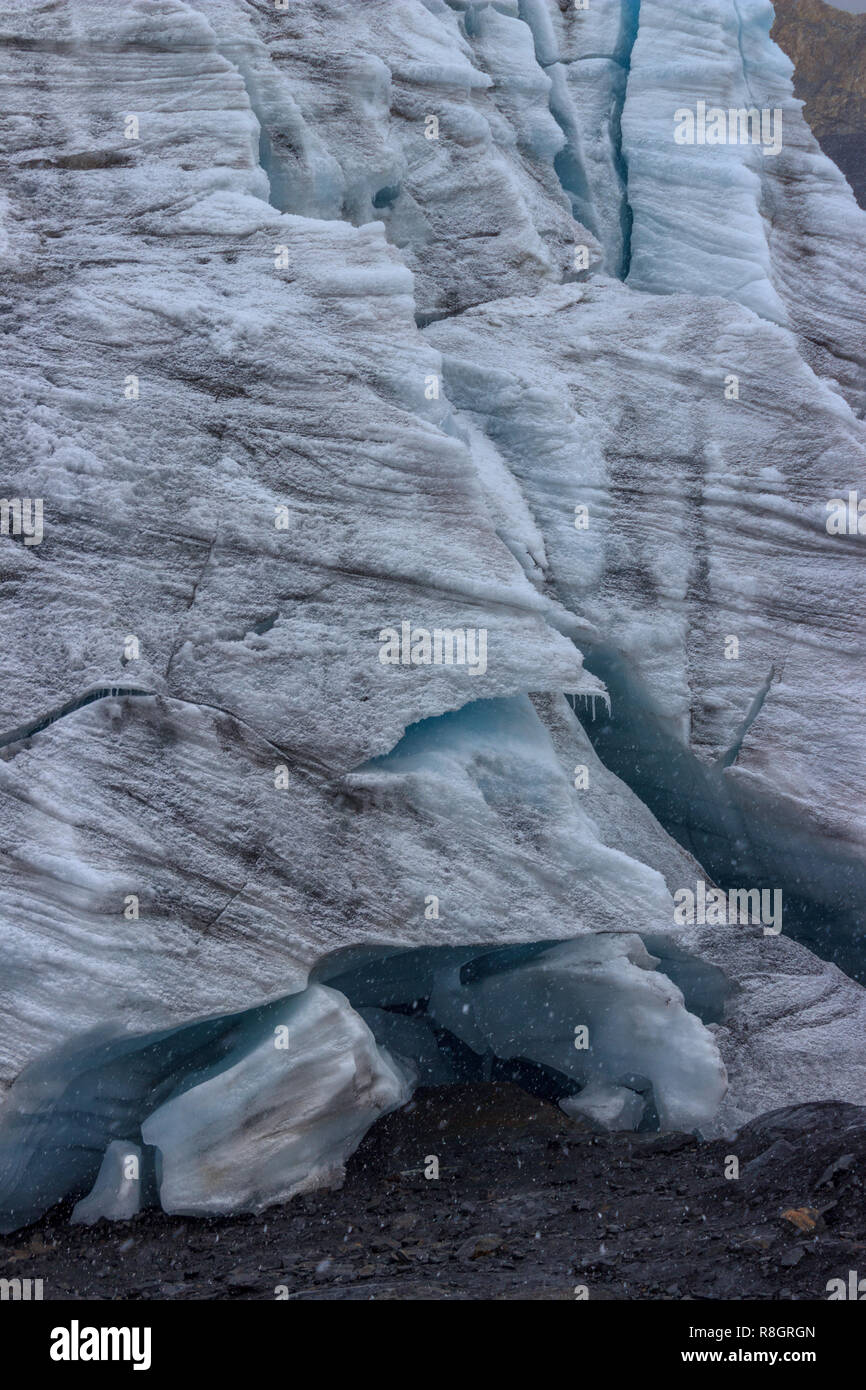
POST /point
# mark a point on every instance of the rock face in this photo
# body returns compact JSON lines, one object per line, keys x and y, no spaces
{"x":434,"y":458}
{"x":828,"y":50}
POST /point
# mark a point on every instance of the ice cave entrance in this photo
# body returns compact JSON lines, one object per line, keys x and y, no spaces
{"x":242,"y":1111}
{"x":596,"y":1024}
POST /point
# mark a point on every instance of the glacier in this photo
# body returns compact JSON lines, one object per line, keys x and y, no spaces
{"x":324,"y":319}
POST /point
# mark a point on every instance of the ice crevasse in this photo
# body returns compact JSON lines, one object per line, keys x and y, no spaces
{"x":326,"y":320}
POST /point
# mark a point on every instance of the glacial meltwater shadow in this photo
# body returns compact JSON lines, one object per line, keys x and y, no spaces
{"x":742,"y":839}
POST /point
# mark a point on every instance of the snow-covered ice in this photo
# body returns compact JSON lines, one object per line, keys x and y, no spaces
{"x":280,"y":1119}
{"x":117,"y":1193}
{"x":324,"y":321}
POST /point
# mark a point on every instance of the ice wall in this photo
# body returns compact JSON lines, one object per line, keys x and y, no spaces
{"x":324,"y":320}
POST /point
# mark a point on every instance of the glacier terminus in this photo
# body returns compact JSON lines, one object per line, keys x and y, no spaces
{"x":426,"y":648}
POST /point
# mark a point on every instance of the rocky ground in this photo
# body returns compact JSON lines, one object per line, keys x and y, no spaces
{"x":527,"y":1205}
